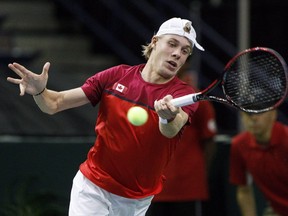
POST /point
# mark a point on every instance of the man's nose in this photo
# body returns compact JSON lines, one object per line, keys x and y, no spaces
{"x":176,"y":53}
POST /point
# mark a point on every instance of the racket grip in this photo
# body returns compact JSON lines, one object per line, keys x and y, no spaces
{"x":184,"y":100}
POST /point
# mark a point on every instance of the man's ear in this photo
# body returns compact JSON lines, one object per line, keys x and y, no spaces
{"x":154,"y":40}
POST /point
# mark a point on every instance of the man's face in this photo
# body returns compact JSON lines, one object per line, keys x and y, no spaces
{"x":259,"y":125}
{"x":169,"y":53}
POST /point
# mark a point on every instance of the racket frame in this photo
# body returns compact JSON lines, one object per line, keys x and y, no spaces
{"x":203,"y":95}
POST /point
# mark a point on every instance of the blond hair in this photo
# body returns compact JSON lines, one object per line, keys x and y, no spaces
{"x":147,"y":50}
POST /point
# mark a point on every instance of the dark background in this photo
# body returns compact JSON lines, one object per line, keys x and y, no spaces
{"x":117,"y":35}
{"x":40,"y":154}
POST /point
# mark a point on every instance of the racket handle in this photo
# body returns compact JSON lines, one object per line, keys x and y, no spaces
{"x":184,"y":100}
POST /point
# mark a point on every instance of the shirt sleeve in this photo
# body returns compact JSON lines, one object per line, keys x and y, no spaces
{"x":95,"y":85}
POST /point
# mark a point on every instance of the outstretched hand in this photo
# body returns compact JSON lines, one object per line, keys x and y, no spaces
{"x":29,"y":82}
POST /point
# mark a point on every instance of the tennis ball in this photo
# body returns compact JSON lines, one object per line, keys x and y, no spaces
{"x":137,"y":116}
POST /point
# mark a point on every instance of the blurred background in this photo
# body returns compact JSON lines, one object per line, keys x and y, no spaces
{"x":39,"y":154}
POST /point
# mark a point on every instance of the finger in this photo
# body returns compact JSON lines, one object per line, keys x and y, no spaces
{"x":13,"y":80}
{"x":155,"y":103}
{"x":167,"y":98}
{"x":164,"y":103}
{"x":17,"y":71}
{"x":173,"y":109}
{"x":22,"y":89}
{"x":46,"y":68}
{"x":21,"y":68}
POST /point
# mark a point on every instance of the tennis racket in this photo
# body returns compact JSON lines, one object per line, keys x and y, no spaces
{"x":254,"y":81}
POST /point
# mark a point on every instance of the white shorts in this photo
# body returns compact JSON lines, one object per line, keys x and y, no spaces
{"x":87,"y":199}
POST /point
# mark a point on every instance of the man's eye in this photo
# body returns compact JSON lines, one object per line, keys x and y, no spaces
{"x":185,"y":51}
{"x":172,"y":44}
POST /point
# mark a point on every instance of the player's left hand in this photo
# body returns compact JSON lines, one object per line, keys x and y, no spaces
{"x":29,"y":82}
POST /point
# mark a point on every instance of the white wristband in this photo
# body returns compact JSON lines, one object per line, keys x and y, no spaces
{"x":163,"y":121}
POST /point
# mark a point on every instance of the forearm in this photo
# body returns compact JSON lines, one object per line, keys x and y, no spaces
{"x":246,"y":201}
{"x":48,"y":101}
{"x":52,"y":102}
{"x":172,"y":128}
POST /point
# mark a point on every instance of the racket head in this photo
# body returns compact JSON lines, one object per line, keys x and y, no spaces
{"x":256,"y":80}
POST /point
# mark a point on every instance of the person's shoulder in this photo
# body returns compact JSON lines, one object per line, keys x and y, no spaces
{"x":281,"y":127}
{"x":119,"y":67}
{"x":281,"y":124}
{"x":120,"y":70}
{"x":129,"y":67}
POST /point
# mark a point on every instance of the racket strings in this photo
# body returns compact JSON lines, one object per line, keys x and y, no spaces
{"x":255,"y":80}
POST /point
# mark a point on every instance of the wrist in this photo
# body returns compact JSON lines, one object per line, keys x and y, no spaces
{"x":165,"y":121}
{"x":40,"y":92}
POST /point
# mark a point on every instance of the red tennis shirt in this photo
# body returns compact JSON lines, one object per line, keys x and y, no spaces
{"x":129,"y":160}
{"x":268,"y":166}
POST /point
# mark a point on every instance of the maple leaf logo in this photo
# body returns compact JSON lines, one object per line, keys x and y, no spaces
{"x":187,"y":27}
{"x":119,"y":87}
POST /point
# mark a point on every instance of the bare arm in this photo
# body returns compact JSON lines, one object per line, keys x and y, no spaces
{"x":246,"y":200}
{"x":52,"y":102}
{"x":167,"y":111}
{"x":47,"y":100}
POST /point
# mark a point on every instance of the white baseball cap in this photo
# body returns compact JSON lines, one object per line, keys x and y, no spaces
{"x":181,"y":27}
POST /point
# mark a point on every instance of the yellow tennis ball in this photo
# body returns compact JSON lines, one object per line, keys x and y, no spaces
{"x":137,"y":116}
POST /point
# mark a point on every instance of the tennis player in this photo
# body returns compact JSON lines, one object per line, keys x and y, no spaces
{"x":261,"y":152}
{"x":123,"y":169}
